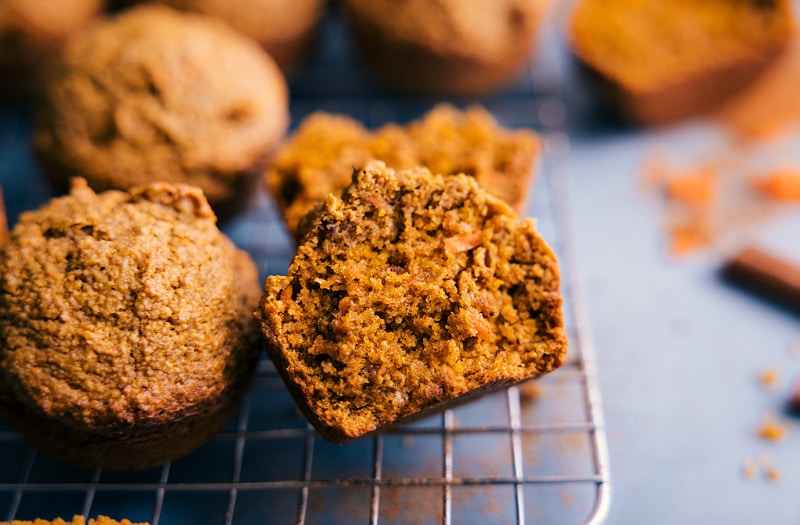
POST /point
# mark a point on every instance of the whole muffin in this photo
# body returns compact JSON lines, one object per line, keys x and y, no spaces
{"x":126,"y":330}
{"x":409,"y":293}
{"x":285,"y":28}
{"x":159,"y":95}
{"x":445,"y":47}
{"x":654,"y":62}
{"x":31,"y":35}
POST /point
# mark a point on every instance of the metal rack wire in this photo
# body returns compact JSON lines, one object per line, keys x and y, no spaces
{"x":533,"y":453}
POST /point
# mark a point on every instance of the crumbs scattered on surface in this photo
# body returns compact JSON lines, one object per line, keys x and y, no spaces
{"x":780,"y":184}
{"x":769,"y":377}
{"x":772,"y":429}
{"x":750,"y":468}
{"x":705,"y":201}
{"x":761,"y":466}
{"x":696,"y":187}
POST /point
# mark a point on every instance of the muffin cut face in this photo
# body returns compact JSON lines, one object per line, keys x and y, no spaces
{"x":410,"y":291}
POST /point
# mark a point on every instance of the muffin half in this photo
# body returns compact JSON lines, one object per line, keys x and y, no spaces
{"x":410,"y":292}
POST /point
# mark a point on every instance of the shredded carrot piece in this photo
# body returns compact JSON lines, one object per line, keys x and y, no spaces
{"x":749,"y":469}
{"x":685,"y":238}
{"x":772,"y":429}
{"x":695,"y":187}
{"x":769,"y":377}
{"x":780,"y":184}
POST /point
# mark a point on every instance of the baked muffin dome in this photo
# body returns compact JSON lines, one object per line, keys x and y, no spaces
{"x":410,"y":292}
{"x":320,"y":156}
{"x":126,"y":331}
{"x":656,"y":62}
{"x":285,"y":28}
{"x":446,"y":47}
{"x":158,"y":95}
{"x":32,"y":33}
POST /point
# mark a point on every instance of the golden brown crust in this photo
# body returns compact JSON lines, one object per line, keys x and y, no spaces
{"x":657,"y":62}
{"x":127,"y":336}
{"x":320,"y":156}
{"x":445,"y":47}
{"x":158,"y":95}
{"x":410,"y":292}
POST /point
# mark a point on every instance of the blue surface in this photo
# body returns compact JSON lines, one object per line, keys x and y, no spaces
{"x":679,"y":351}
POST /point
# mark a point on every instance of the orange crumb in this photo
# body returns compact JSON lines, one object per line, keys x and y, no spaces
{"x":772,"y":473}
{"x":771,"y":429}
{"x":769,"y":469}
{"x":685,"y":238}
{"x":769,"y":377}
{"x":749,"y":469}
{"x":780,"y":184}
{"x":694,"y":187}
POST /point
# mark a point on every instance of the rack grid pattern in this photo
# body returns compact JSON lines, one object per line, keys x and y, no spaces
{"x":533,"y":453}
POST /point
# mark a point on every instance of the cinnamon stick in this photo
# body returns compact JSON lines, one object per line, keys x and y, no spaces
{"x":765,"y":274}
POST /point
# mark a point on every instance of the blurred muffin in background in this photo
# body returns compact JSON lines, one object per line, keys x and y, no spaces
{"x":655,"y":62}
{"x":31,"y":34}
{"x":446,"y":47}
{"x":159,"y":95}
{"x":285,"y":28}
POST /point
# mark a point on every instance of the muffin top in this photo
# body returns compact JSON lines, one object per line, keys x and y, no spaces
{"x":644,"y":45}
{"x":155,"y":94}
{"x":481,"y":29}
{"x":320,"y":156}
{"x":122,"y":308}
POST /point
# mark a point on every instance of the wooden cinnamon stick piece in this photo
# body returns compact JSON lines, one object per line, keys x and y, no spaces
{"x":765,"y":274}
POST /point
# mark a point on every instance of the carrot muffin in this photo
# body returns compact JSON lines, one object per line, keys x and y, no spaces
{"x":126,"y":330}
{"x":32,"y":33}
{"x":656,"y":62}
{"x":410,"y":292}
{"x":159,"y":95}
{"x":320,"y":156}
{"x":446,"y":47}
{"x":285,"y":28}
{"x":76,"y":520}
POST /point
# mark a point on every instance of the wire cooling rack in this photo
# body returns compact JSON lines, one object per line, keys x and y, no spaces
{"x":535,"y":453}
